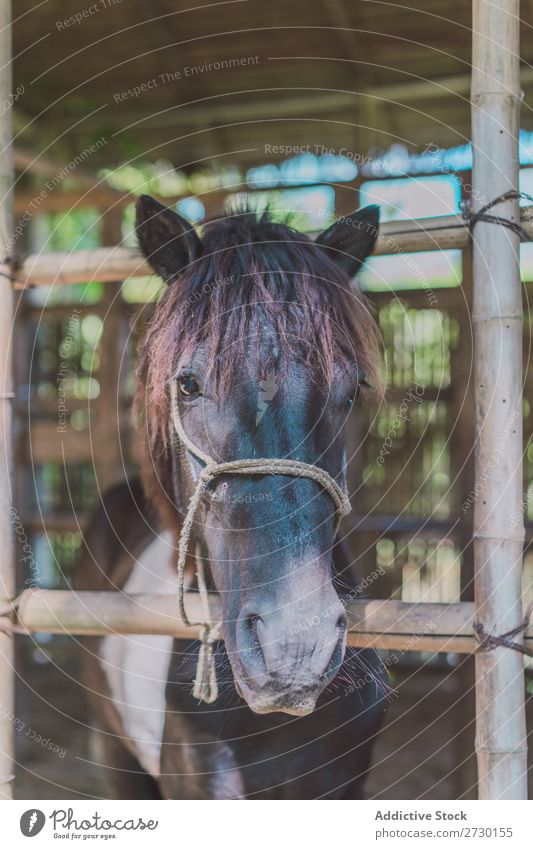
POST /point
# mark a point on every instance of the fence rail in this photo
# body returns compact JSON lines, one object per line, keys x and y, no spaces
{"x":117,"y":263}
{"x":372,"y":623}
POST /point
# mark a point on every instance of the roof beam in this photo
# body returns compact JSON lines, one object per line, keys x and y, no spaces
{"x":222,"y":109}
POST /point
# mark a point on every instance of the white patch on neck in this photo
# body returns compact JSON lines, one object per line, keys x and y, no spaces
{"x":136,"y":666}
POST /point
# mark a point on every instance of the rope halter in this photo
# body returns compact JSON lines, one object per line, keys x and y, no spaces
{"x":205,"y":683}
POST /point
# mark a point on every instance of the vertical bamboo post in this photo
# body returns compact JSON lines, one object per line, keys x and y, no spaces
{"x":7,"y":564}
{"x":497,"y":317}
{"x":106,"y":431}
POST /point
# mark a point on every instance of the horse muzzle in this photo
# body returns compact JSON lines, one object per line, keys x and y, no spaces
{"x":284,"y":665}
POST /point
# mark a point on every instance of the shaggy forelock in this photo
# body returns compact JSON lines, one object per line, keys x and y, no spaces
{"x":255,"y":277}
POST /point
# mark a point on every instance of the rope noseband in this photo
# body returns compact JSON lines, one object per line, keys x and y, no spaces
{"x":205,"y":683}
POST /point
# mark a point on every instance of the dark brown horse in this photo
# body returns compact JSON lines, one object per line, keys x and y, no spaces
{"x":268,"y":344}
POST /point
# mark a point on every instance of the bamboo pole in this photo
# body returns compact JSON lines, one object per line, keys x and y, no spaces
{"x":379,"y":624}
{"x":106,"y":435}
{"x":7,"y":564}
{"x":497,"y":317}
{"x":446,"y":232}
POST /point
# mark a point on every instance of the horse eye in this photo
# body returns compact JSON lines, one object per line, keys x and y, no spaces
{"x":188,"y":386}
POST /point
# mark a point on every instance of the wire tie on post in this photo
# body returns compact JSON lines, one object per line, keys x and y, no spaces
{"x":12,"y":264}
{"x":7,"y":625}
{"x":471,"y":218}
{"x":488,"y":642}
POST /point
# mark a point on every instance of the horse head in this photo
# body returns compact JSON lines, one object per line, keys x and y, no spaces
{"x":267,"y":345}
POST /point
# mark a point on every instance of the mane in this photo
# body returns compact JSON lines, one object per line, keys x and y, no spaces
{"x":253,"y":274}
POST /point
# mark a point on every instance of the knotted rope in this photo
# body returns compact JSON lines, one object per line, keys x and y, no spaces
{"x":205,"y":683}
{"x":487,"y":641}
{"x":471,"y":218}
{"x":9,"y":265}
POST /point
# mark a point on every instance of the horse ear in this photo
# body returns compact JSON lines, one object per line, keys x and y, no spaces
{"x":167,"y":240}
{"x":351,"y":239}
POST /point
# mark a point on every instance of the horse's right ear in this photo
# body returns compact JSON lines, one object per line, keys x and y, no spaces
{"x":167,"y":240}
{"x":350,"y":240}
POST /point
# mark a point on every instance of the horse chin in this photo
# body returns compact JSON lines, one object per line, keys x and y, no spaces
{"x":293,"y":704}
{"x":290,"y":710}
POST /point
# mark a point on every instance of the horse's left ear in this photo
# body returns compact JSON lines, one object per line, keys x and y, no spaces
{"x":168,"y":242}
{"x":351,"y":239}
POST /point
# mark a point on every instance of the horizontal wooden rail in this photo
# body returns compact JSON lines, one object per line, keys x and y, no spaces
{"x":377,"y":624}
{"x":116,"y":263}
{"x":106,"y":265}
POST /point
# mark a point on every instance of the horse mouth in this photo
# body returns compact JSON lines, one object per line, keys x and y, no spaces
{"x":301,"y":709}
{"x":292,"y":702}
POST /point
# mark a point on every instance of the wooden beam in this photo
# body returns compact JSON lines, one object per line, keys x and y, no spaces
{"x":104,"y":264}
{"x":50,"y":441}
{"x":303,"y":103}
{"x":497,"y":319}
{"x":7,"y":562}
{"x":99,"y":195}
{"x":102,"y":197}
{"x":41,"y":166}
{"x":379,"y":624}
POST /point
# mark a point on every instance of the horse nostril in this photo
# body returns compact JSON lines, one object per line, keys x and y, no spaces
{"x":249,"y":646}
{"x":336,"y":658}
